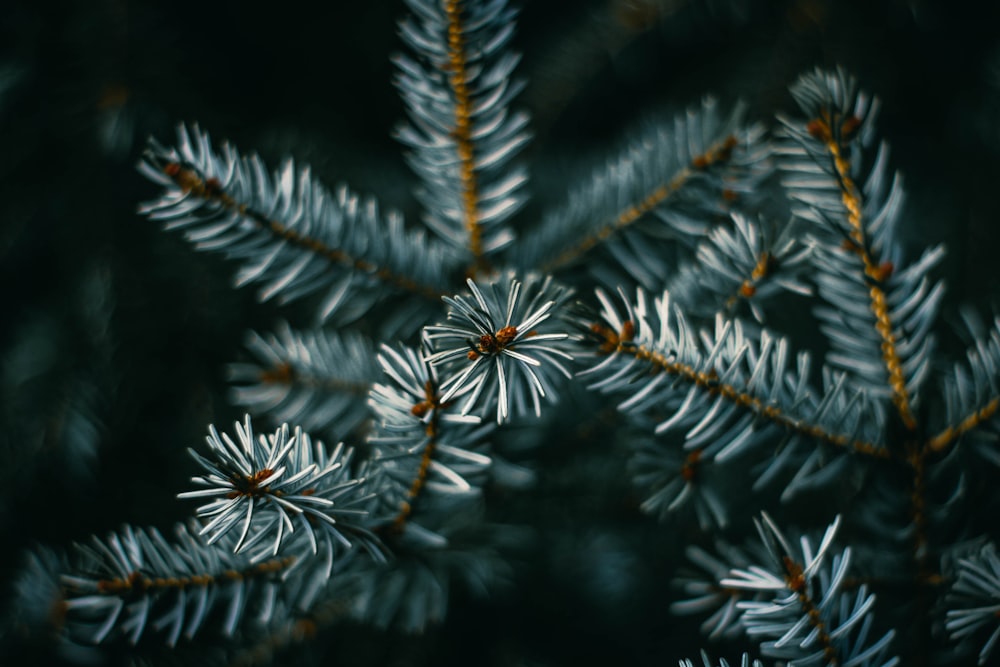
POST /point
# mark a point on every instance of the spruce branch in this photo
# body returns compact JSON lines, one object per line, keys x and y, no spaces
{"x":274,"y":549}
{"x":705,"y":593}
{"x":671,"y":479}
{"x":807,"y":617}
{"x":974,"y":601}
{"x":881,"y":310}
{"x":287,"y":230}
{"x":38,"y":606}
{"x":747,"y":262}
{"x":136,"y":579}
{"x":267,"y":487}
{"x":457,"y":88}
{"x":685,"y":174}
{"x":412,"y":590}
{"x":972,"y":393}
{"x":727,"y":393}
{"x":422,"y":446}
{"x":317,"y":379}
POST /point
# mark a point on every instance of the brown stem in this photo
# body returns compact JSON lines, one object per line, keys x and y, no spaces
{"x":796,"y":581}
{"x":136,"y":582}
{"x":749,"y":286}
{"x":945,"y":438}
{"x":431,"y":403}
{"x":458,"y":78}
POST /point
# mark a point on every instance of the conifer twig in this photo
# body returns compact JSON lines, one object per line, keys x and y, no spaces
{"x":875,"y":273}
{"x":190,"y":181}
{"x":718,"y":153}
{"x":735,"y":395}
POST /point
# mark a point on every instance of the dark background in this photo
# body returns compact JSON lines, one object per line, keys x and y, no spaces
{"x":114,"y":336}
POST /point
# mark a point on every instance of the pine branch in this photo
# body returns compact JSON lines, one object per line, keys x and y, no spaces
{"x":809,"y":618}
{"x":461,"y":134}
{"x":671,"y":479}
{"x":137,"y":579}
{"x":684,"y":172}
{"x":422,"y":446}
{"x":287,"y":515}
{"x":287,"y":231}
{"x":275,"y":550}
{"x":888,"y":343}
{"x":295,"y":631}
{"x":711,"y":596}
{"x":742,"y":263}
{"x":319,"y":380}
{"x":411,"y":592}
{"x":729,"y":395}
{"x":972,"y":393}
{"x":974,"y":601}
{"x":37,"y":608}
{"x":267,"y":487}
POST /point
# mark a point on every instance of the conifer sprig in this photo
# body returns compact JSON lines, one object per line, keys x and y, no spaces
{"x":287,"y":231}
{"x":316,"y":379}
{"x":671,"y":183}
{"x":729,"y":394}
{"x":810,"y":619}
{"x":745,"y":262}
{"x":881,"y":310}
{"x":801,"y":611}
{"x":136,"y":579}
{"x":972,"y":395}
{"x":265,"y":487}
{"x":705,"y":595}
{"x":974,"y":609}
{"x":505,"y":345}
{"x":423,"y":445}
{"x":283,"y":515}
{"x":462,"y":136}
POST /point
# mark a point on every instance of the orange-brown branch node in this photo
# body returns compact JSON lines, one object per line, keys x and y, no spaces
{"x":286,"y":374}
{"x":690,"y":468}
{"x":797,"y":583}
{"x":431,"y":401}
{"x":281,"y":374}
{"x":493,"y":344}
{"x":763,"y":267}
{"x":250,"y":486}
{"x":612,"y":340}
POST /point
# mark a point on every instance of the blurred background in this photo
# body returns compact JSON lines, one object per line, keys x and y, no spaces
{"x":114,"y":336}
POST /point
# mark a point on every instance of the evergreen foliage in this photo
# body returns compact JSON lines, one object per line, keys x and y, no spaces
{"x":430,"y":364}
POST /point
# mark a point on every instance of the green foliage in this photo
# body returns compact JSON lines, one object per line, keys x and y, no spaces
{"x":439,"y":374}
